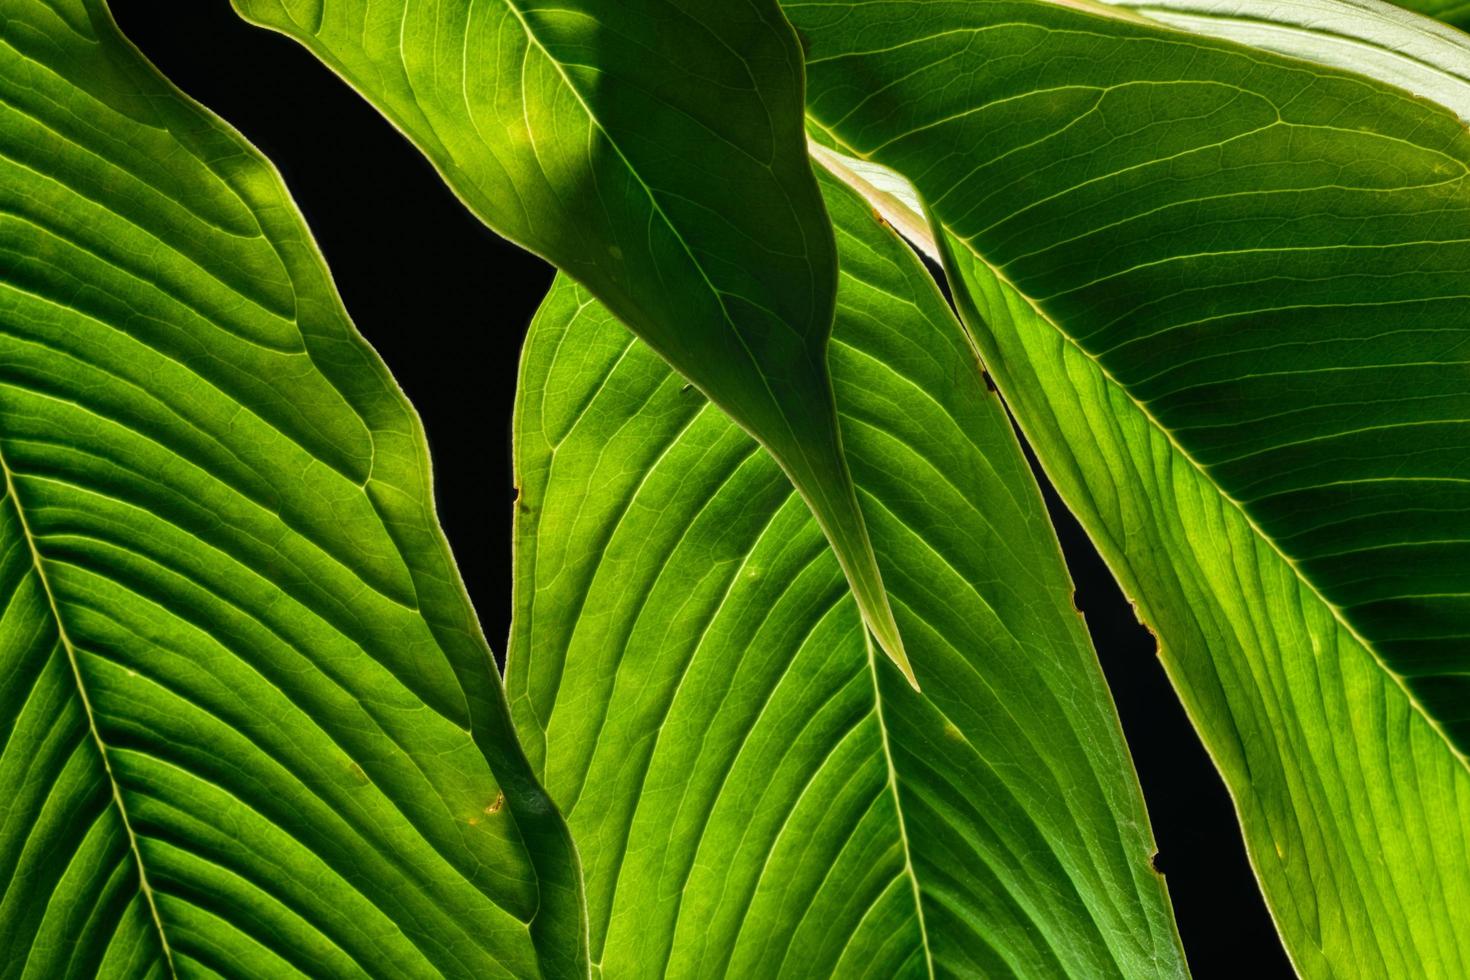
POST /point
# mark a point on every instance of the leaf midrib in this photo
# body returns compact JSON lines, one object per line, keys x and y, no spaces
{"x":39,"y":566}
{"x":903,"y":833}
{"x":668,"y":222}
{"x":1153,"y":421}
{"x":1301,"y":577}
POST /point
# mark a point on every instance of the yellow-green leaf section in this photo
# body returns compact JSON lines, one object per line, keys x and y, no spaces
{"x":655,"y":151}
{"x":754,"y":793}
{"x":1224,"y":291}
{"x":248,"y":724}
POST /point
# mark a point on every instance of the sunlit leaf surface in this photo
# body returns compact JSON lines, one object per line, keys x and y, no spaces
{"x":1225,"y":293}
{"x":655,"y":151}
{"x":238,"y":673}
{"x":754,"y":792}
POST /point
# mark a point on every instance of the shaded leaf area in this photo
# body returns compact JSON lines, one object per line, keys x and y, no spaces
{"x":1224,"y":292}
{"x":655,"y":151}
{"x":248,"y":725}
{"x":753,"y":791}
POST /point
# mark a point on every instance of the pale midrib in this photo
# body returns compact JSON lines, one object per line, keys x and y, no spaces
{"x":71,"y":655}
{"x":808,"y":484}
{"x":1184,"y":454}
{"x":668,"y":222}
{"x":903,"y":833}
{"x":1302,"y":578}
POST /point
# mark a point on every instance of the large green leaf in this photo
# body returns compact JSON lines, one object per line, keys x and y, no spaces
{"x":754,"y":794}
{"x":654,"y":150}
{"x":1225,"y":293}
{"x":248,"y":724}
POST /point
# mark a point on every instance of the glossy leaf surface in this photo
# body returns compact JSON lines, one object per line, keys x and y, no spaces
{"x":655,"y":151}
{"x":1224,"y":291}
{"x":754,"y":793}
{"x":248,"y":724}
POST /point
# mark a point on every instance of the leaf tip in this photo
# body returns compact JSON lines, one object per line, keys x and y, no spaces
{"x":891,"y":643}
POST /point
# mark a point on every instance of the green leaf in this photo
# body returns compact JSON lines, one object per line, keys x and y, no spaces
{"x":753,"y":792}
{"x":655,"y":151}
{"x":248,"y":724}
{"x":1361,"y":36}
{"x":1224,"y":292}
{"x":1455,"y":12}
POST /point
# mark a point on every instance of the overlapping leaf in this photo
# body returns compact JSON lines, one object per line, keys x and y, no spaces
{"x":248,"y":725}
{"x":753,"y":792}
{"x":655,"y":151}
{"x":1225,"y":292}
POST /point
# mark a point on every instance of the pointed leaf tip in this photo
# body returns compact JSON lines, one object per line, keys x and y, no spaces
{"x":884,"y":629}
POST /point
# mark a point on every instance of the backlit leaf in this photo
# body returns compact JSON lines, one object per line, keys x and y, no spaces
{"x":1224,"y":291}
{"x":754,"y":793}
{"x":248,"y":724}
{"x":655,"y":151}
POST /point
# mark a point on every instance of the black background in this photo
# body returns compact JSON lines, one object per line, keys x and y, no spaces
{"x":446,"y":303}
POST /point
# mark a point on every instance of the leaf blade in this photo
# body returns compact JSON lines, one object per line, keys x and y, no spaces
{"x":754,"y":793}
{"x":656,"y":152}
{"x":1080,"y":233}
{"x":1450,"y":11}
{"x":217,"y":502}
